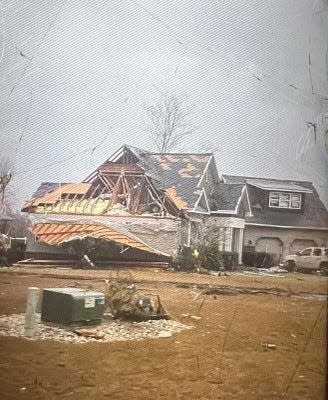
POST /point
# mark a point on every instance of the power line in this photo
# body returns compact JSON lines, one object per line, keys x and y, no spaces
{"x":30,"y":59}
{"x":258,"y":76}
{"x":66,"y":159}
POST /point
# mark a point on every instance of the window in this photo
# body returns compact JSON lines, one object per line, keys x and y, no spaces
{"x":285,"y":200}
{"x":317,"y":252}
{"x":306,"y":252}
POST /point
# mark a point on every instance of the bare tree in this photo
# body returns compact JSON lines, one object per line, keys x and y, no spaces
{"x":6,"y":173}
{"x":18,"y":225}
{"x":169,"y":123}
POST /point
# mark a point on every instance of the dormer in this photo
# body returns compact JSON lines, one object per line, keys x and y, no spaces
{"x":278,"y":196}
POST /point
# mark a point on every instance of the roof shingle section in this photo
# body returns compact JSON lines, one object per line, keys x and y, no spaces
{"x":178,"y":173}
{"x":226,"y":196}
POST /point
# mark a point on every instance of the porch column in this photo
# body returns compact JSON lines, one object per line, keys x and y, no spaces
{"x":240,"y":245}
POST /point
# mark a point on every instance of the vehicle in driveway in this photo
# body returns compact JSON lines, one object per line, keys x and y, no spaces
{"x":308,"y":260}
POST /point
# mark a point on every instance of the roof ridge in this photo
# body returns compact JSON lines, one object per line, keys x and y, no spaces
{"x":135,"y":148}
{"x":180,"y":154}
{"x":267,"y":179}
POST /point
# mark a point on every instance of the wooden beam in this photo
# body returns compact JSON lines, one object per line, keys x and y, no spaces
{"x":114,"y":194}
{"x":98,"y":198}
{"x":155,"y":194}
{"x":92,"y":194}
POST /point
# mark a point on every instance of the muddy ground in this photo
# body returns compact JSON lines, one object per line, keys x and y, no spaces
{"x":222,"y":357}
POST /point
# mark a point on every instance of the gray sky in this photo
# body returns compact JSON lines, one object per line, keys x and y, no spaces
{"x":76,"y":73}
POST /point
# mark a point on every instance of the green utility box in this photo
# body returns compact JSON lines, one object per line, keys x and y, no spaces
{"x":72,"y":306}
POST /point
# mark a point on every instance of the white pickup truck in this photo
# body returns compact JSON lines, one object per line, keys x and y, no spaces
{"x":308,"y":260}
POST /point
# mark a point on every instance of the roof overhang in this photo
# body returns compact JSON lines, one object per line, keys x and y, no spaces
{"x":6,"y":218}
{"x":64,"y":232}
{"x":288,"y":227}
{"x":282,"y":187}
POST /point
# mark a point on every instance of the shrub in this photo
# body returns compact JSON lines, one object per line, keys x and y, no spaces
{"x":210,"y":257}
{"x":184,"y":259}
{"x":258,"y":259}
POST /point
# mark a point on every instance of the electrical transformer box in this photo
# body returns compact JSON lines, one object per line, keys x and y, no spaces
{"x":72,"y":305}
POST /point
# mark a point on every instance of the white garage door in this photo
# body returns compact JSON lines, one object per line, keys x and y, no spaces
{"x":301,"y":244}
{"x":270,"y":245}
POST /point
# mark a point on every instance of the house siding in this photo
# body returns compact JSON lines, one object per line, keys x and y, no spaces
{"x":215,"y":229}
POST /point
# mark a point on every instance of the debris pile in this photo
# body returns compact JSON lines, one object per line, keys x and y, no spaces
{"x":272,"y":271}
{"x":108,"y":331}
{"x":125,"y":302}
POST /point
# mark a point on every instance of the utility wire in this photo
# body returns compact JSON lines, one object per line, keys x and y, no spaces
{"x":264,"y":78}
{"x":30,"y":59}
{"x":66,"y":159}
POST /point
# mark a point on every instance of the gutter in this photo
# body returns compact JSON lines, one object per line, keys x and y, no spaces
{"x":288,"y":227}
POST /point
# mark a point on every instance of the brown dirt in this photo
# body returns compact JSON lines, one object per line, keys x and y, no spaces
{"x":221,"y":358}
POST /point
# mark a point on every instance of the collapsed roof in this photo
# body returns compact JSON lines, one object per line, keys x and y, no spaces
{"x":131,"y":182}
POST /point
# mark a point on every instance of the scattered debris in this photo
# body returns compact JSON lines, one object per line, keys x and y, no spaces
{"x":127,"y":303}
{"x":164,"y":334}
{"x":107,"y":331}
{"x":196,"y":317}
{"x":231,"y":291}
{"x":271,"y":271}
{"x":89,"y":333}
{"x":271,"y":346}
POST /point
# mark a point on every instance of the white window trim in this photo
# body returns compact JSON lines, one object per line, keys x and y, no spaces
{"x":289,"y":201}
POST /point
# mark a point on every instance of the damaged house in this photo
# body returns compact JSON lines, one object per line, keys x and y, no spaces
{"x":140,"y":205}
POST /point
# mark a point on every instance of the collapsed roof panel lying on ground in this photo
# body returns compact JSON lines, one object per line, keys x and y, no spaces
{"x":58,"y":233}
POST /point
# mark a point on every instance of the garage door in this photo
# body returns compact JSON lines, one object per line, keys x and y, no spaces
{"x":301,"y":244}
{"x":270,"y":245}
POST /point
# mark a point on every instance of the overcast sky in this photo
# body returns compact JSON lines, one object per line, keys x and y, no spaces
{"x":76,"y":73}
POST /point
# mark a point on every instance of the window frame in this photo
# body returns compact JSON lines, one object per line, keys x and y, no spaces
{"x":317,"y":249}
{"x":288,"y":198}
{"x":301,"y":253}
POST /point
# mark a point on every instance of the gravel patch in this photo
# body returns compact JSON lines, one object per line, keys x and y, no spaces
{"x":107,"y":331}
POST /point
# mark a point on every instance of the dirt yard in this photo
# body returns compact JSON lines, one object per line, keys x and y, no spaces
{"x":222,"y":357}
